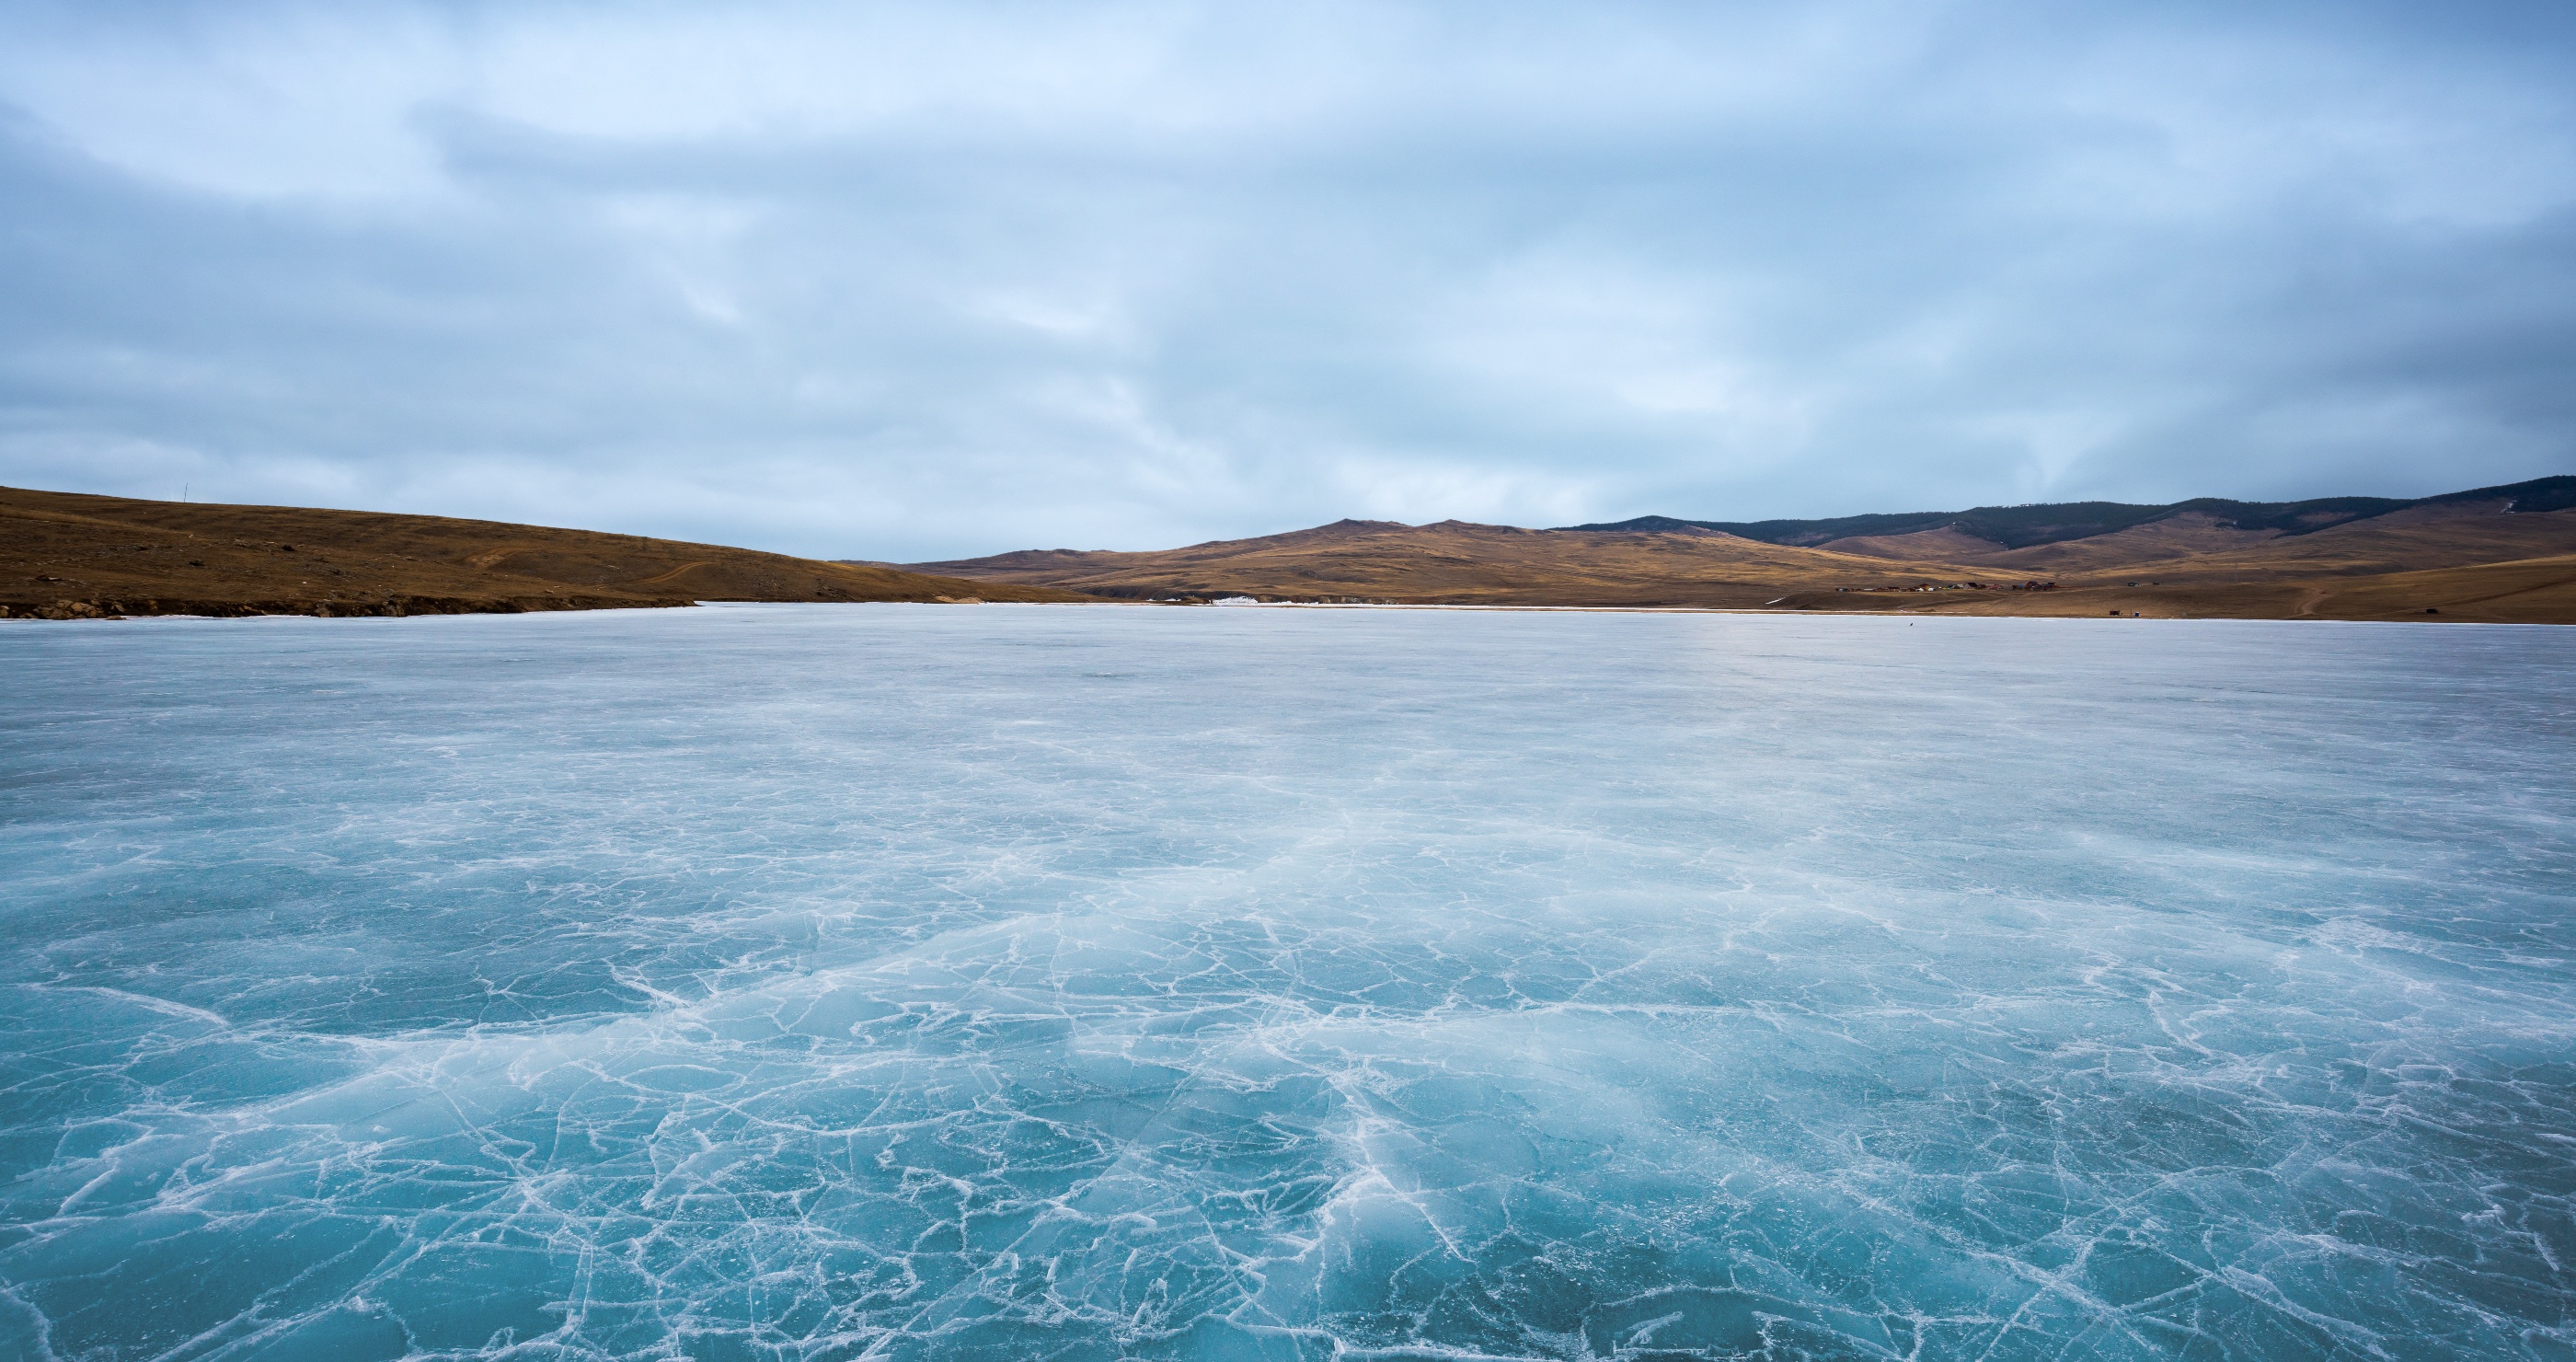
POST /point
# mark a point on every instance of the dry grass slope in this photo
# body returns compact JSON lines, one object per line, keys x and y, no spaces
{"x":2467,"y":560}
{"x":66,"y":556}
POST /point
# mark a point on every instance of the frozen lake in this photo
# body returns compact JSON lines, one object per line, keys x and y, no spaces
{"x":1051,"y":982}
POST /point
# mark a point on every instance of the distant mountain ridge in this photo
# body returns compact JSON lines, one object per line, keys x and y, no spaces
{"x":2499,"y":554}
{"x":2019,"y":527}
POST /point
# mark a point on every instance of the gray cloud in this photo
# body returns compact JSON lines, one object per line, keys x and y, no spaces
{"x":914,"y":281}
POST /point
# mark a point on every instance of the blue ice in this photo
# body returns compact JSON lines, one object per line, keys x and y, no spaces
{"x":1090,"y":982}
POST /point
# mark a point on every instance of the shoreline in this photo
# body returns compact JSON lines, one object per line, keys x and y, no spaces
{"x":356,"y":611}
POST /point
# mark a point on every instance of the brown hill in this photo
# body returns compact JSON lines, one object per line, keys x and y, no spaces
{"x":1450,"y":563}
{"x":2474,"y":560}
{"x":64,"y":555}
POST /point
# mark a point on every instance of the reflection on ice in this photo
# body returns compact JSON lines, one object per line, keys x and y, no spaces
{"x":987,"y":983}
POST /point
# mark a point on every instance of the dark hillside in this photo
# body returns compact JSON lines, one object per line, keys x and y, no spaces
{"x":2017,"y":527}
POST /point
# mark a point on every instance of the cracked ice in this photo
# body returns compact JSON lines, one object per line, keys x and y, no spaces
{"x":1000,"y":982}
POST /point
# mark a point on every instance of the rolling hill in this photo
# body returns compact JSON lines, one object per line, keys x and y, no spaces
{"x":68,"y":556}
{"x":2496,"y":553}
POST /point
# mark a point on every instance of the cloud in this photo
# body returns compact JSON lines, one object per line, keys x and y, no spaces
{"x":906,"y":281}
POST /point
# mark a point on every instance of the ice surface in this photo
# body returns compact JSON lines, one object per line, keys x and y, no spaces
{"x":1000,"y":982}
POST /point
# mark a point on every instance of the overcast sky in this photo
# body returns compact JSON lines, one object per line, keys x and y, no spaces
{"x":903,"y":282}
